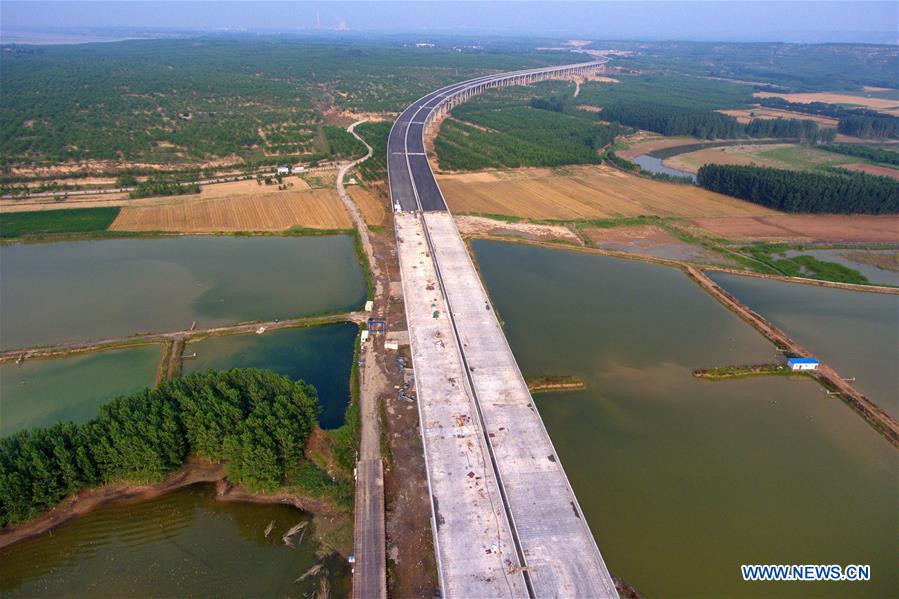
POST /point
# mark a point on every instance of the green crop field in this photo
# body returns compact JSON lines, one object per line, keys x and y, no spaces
{"x":49,"y":222}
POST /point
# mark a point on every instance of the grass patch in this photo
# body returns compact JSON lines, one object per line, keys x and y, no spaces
{"x":51,"y":222}
{"x":774,"y":256}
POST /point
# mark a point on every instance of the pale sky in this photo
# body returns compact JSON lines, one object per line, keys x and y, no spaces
{"x":721,"y":20}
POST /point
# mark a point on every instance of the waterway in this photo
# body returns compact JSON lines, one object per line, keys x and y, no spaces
{"x":321,"y":356}
{"x":39,"y":393}
{"x":184,"y":544}
{"x":90,"y":290}
{"x":854,"y":332}
{"x":683,"y":480}
{"x":654,"y":165}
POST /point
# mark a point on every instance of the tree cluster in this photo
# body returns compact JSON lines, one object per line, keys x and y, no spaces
{"x":162,"y":186}
{"x":868,"y":152}
{"x":858,"y":122}
{"x":708,"y":124}
{"x":254,"y":421}
{"x":796,"y":191}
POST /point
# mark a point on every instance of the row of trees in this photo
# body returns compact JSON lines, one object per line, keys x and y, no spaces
{"x":868,"y":152}
{"x":162,"y":186}
{"x":858,"y":122}
{"x":254,"y":421}
{"x":791,"y":191}
{"x":708,"y":124}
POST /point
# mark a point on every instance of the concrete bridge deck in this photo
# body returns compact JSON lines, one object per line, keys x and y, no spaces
{"x":506,"y":520}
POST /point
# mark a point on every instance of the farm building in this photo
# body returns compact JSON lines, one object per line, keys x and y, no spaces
{"x":802,"y":364}
{"x":283,"y":170}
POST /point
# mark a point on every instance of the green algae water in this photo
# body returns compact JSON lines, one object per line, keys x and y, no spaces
{"x":854,"y":332}
{"x":39,"y":393}
{"x":89,"y":290}
{"x":184,"y":544}
{"x":321,"y":356}
{"x":683,"y":480}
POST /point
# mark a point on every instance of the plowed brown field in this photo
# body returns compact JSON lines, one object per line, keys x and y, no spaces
{"x":585,"y":193}
{"x":315,"y":209}
{"x":805,"y":228}
{"x":371,"y":202}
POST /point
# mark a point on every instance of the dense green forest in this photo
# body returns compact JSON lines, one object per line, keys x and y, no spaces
{"x":866,"y":152}
{"x":795,"y":66}
{"x":665,"y":89}
{"x":55,"y":222}
{"x":794,"y":191}
{"x":708,"y":124}
{"x":503,"y":129}
{"x":376,"y":134}
{"x":881,"y":126}
{"x":165,"y":101}
{"x":254,"y":421}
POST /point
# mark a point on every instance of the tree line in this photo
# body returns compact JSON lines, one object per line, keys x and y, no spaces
{"x":254,"y":421}
{"x":708,"y":124}
{"x":796,"y":191}
{"x":858,"y":122}
{"x":868,"y":152}
{"x":162,"y":186}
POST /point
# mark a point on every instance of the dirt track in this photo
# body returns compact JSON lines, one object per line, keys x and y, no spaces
{"x":880,"y":420}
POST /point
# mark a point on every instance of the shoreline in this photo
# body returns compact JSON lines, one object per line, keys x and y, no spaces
{"x":193,"y":472}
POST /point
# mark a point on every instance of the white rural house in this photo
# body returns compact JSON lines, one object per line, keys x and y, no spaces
{"x":802,"y":364}
{"x":283,"y":170}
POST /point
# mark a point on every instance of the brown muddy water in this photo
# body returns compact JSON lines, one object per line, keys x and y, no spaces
{"x":184,"y":544}
{"x":683,"y":480}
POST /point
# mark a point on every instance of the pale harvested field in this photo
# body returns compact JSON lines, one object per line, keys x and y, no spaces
{"x":477,"y":226}
{"x":739,"y":155}
{"x":805,"y":228}
{"x":887,"y":106}
{"x":644,"y":143}
{"x":748,"y":114}
{"x":314,"y":209}
{"x":873,"y":169}
{"x":649,"y":240}
{"x":371,"y":202}
{"x":585,"y":193}
{"x":248,"y":186}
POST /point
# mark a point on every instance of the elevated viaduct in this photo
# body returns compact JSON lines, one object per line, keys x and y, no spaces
{"x":506,"y":522}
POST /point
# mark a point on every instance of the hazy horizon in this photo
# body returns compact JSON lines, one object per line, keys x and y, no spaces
{"x":762,"y":21}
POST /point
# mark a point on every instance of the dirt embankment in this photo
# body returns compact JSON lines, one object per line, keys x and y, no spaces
{"x":193,"y":472}
{"x":876,"y":417}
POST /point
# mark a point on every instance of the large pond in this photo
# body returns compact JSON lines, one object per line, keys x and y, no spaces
{"x":88,"y":290}
{"x":856,"y":333}
{"x":185,"y":544}
{"x":39,"y":393}
{"x":321,"y":356}
{"x":684,"y":480}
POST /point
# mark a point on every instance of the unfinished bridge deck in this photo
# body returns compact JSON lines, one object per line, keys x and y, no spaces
{"x":506,"y":520}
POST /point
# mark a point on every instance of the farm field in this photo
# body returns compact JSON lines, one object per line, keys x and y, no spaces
{"x":650,"y":240}
{"x":578,"y":193}
{"x":746,"y":115}
{"x":314,"y":209}
{"x":884,"y":105}
{"x":784,"y":156}
{"x":805,"y":228}
{"x":873,"y":169}
{"x":370,"y":202}
{"x":90,"y":220}
{"x":644,"y":143}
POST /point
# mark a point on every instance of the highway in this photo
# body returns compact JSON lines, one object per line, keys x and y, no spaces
{"x":505,"y":519}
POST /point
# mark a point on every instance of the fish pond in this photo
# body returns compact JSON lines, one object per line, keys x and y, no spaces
{"x":184,"y":544}
{"x":854,"y":332}
{"x":77,"y":291}
{"x":683,"y":480}
{"x":321,"y":356}
{"x":39,"y":393}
